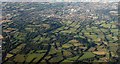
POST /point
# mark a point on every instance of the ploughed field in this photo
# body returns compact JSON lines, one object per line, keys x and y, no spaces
{"x":39,"y":32}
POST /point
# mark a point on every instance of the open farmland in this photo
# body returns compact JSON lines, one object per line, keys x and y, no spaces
{"x":59,"y":32}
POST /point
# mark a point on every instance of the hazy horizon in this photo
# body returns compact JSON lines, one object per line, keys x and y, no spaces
{"x":60,"y":1}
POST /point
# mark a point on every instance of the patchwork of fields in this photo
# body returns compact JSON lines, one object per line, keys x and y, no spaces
{"x":39,"y":32}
